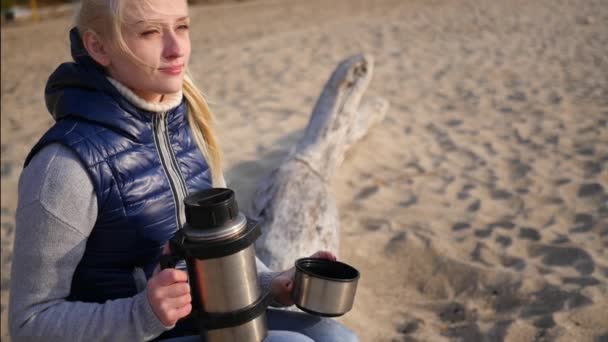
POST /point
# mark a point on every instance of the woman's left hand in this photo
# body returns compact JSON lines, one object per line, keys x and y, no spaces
{"x":281,"y":286}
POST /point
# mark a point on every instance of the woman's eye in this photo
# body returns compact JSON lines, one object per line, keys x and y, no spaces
{"x":149,"y":33}
{"x":183,"y":27}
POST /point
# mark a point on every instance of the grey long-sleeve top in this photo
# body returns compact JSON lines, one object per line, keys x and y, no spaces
{"x":56,"y":212}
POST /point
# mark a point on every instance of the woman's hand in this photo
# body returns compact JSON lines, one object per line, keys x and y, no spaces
{"x":169,"y":295}
{"x":324,"y":255}
{"x":281,"y":287}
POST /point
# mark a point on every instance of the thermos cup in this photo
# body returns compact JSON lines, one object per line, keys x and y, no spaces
{"x":324,"y":287}
{"x":217,"y":243}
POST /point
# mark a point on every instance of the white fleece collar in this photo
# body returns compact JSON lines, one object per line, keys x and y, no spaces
{"x":168,"y":102}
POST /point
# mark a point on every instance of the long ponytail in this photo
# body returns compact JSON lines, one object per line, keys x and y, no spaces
{"x":201,"y":120}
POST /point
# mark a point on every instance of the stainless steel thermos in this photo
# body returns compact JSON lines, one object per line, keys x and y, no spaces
{"x":217,"y":243}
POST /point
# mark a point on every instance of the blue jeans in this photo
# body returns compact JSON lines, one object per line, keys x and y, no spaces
{"x":289,"y":326}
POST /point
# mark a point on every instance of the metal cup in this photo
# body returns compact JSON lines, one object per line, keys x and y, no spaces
{"x":324,"y":287}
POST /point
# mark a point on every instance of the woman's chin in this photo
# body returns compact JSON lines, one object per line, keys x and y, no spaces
{"x":170,"y":89}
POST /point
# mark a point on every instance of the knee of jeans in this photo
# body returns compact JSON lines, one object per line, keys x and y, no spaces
{"x":336,"y":331}
{"x":347,"y":335}
{"x":286,"y":336}
{"x":352,"y":337}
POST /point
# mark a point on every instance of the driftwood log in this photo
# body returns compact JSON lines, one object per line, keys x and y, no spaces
{"x":294,"y":205}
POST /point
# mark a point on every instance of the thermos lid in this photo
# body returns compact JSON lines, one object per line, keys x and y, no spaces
{"x":214,"y":226}
{"x":211,"y":208}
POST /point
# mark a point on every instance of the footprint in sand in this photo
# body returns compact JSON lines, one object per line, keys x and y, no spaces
{"x":408,"y":327}
{"x":529,"y":234}
{"x":581,"y":281}
{"x":516,"y":263}
{"x":552,"y":299}
{"x":583,"y":223}
{"x":460,"y":226}
{"x":574,"y":257}
{"x":366,"y":192}
{"x":504,"y":241}
{"x":474,"y":206}
{"x":590,"y":190}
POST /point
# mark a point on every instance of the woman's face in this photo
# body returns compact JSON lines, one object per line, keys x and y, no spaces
{"x":157,"y":34}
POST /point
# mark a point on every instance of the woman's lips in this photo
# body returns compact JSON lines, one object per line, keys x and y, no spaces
{"x":175,"y":70}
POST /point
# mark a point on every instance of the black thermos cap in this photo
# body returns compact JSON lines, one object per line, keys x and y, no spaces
{"x":211,"y":208}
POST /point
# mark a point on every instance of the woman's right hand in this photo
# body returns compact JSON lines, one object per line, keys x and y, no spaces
{"x":169,"y":295}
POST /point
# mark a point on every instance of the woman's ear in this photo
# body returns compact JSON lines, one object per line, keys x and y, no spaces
{"x":95,"y":47}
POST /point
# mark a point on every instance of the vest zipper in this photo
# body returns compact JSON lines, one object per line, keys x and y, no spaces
{"x":181,"y":181}
{"x":170,"y":167}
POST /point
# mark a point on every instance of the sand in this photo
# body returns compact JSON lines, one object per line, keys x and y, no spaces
{"x":476,"y":211}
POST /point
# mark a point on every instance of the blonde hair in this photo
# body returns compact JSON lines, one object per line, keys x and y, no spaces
{"x":105,"y":18}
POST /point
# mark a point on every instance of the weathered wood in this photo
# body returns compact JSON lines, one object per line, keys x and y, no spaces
{"x":298,"y":213}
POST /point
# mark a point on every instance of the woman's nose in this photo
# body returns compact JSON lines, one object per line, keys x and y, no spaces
{"x":174,"y":46}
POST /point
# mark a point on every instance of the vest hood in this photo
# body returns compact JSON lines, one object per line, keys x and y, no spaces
{"x":80,"y":90}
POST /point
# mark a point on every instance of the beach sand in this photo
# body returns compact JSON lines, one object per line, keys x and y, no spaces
{"x":476,"y":211}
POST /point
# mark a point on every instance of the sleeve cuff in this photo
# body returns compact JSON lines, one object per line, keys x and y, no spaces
{"x":265,"y":282}
{"x":151,"y":322}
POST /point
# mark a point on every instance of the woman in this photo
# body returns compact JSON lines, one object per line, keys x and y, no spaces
{"x":102,"y":191}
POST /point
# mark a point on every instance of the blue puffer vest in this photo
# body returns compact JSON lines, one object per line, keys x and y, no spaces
{"x":118,"y":144}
